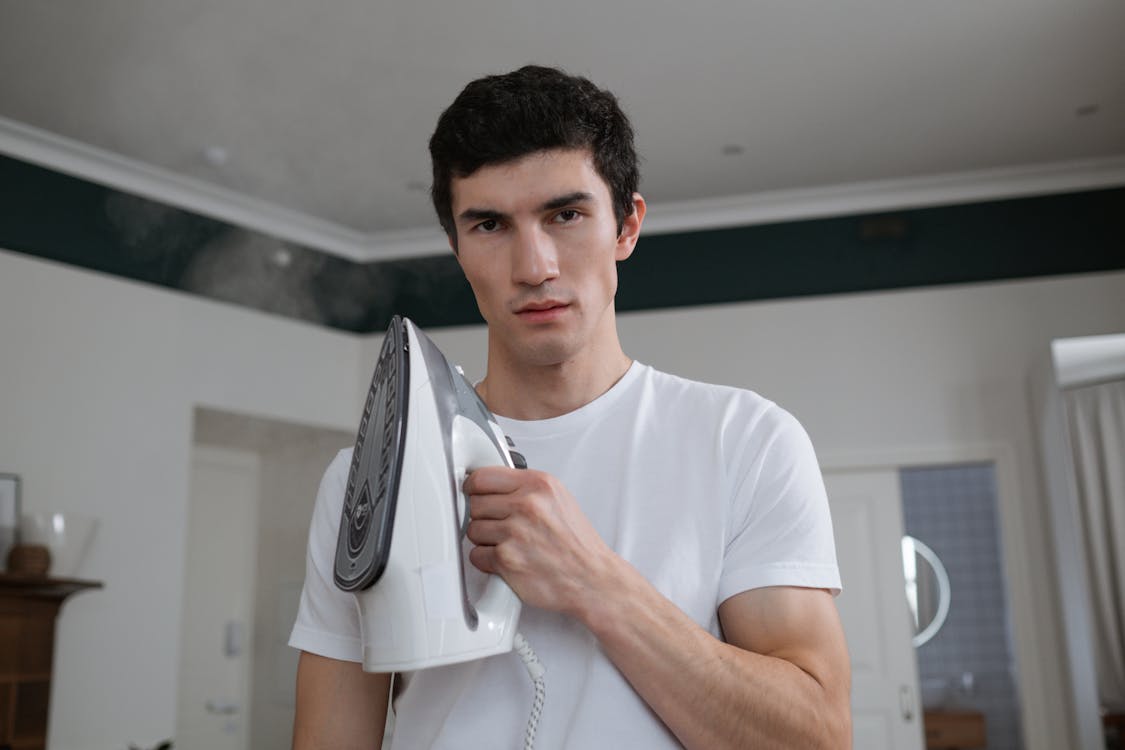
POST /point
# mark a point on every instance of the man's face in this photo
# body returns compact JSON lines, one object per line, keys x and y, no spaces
{"x":537,"y":239}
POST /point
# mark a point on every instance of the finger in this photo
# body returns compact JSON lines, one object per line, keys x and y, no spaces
{"x":492,"y":480}
{"x":487,"y":532}
{"x":490,"y":507}
{"x":483,"y":559}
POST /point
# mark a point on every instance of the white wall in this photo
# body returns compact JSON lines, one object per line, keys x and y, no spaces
{"x":98,"y":379}
{"x":931,"y":375}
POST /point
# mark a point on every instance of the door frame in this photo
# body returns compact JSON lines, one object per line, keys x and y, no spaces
{"x":1036,"y":710}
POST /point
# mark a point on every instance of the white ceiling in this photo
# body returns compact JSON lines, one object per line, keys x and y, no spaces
{"x":324,"y":109}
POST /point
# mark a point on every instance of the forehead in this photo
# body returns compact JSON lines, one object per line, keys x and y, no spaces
{"x":528,"y":181}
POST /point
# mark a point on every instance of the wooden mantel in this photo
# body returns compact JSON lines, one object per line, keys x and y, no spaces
{"x":29,"y":606}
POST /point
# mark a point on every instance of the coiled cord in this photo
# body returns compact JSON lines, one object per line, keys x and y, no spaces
{"x":536,"y":671}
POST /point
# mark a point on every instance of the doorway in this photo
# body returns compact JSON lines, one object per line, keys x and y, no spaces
{"x":961,"y":682}
{"x":968,"y":667}
{"x":254,"y":482}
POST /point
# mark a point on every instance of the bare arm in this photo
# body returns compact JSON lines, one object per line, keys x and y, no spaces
{"x":781,"y":680}
{"x":339,"y":706}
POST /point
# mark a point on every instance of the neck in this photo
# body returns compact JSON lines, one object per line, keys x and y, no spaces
{"x":541,"y":391}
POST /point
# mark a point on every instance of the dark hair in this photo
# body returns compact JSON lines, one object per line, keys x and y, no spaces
{"x":501,"y":118}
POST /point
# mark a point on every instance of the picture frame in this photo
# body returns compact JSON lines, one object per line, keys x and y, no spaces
{"x":9,"y":515}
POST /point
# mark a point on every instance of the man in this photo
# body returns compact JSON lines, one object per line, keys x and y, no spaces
{"x":671,"y":541}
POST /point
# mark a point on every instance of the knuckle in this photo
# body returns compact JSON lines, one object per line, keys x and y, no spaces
{"x":521,"y":504}
{"x":517,"y":533}
{"x":540,"y":481}
{"x":507,"y":557}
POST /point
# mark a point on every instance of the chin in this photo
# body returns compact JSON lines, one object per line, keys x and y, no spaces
{"x":546,"y":353}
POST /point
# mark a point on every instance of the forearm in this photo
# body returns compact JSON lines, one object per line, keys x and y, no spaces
{"x":709,"y":693}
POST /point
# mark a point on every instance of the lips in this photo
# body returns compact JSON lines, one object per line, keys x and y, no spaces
{"x":540,"y":306}
{"x":542,"y":311}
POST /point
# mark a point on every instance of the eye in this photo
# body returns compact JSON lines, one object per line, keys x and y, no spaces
{"x":566,"y":216}
{"x":487,"y":226}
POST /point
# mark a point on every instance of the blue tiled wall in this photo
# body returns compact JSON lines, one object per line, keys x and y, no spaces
{"x":953,"y":509}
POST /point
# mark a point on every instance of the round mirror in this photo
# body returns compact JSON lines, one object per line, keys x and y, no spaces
{"x":927,"y":589}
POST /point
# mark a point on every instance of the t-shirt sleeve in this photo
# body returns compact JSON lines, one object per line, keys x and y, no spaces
{"x":780,"y":531}
{"x":327,"y":618}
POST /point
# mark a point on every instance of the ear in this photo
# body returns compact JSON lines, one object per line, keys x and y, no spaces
{"x":630,"y":229}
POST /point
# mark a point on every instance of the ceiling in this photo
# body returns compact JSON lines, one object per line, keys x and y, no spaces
{"x":309,"y":120}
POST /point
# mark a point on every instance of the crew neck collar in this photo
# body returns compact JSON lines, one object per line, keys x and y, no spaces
{"x":583,"y":415}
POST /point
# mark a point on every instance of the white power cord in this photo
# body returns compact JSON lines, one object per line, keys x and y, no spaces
{"x":536,"y":670}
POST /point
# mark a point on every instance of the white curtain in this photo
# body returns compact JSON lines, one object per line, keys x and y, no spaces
{"x":1097,"y":435}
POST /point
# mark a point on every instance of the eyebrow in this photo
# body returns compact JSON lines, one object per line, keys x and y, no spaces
{"x":578,"y":196}
{"x":568,"y":199}
{"x":480,"y":214}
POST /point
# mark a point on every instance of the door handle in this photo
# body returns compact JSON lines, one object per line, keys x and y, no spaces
{"x":222,"y":706}
{"x":906,"y":702}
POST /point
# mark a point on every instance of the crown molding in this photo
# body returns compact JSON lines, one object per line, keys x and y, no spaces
{"x":164,"y":186}
{"x":886,"y":195}
{"x":122,"y":173}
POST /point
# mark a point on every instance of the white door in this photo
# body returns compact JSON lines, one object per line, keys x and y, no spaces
{"x":867,"y":516}
{"x":215,"y":648}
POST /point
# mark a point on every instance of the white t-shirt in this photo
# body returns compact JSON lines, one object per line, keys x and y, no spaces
{"x":707,"y":490}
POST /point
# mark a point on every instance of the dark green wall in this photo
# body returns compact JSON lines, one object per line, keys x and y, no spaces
{"x":69,"y":220}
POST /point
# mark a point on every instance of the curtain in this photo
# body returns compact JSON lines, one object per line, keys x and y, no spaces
{"x":1096,"y":414}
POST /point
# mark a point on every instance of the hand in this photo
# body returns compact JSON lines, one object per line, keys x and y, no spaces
{"x":529,"y":529}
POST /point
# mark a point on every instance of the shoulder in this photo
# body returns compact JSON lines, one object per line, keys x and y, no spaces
{"x":340,"y":464}
{"x":718,"y":404}
{"x":748,"y":432}
{"x":330,"y":494}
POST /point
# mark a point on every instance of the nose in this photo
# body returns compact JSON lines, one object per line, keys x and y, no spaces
{"x":534,"y":258}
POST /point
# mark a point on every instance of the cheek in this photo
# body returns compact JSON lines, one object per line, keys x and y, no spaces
{"x":480,"y":276}
{"x":484,"y":292}
{"x":490,"y":289}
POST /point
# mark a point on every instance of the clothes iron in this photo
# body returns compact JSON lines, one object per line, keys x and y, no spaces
{"x":399,"y":548}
